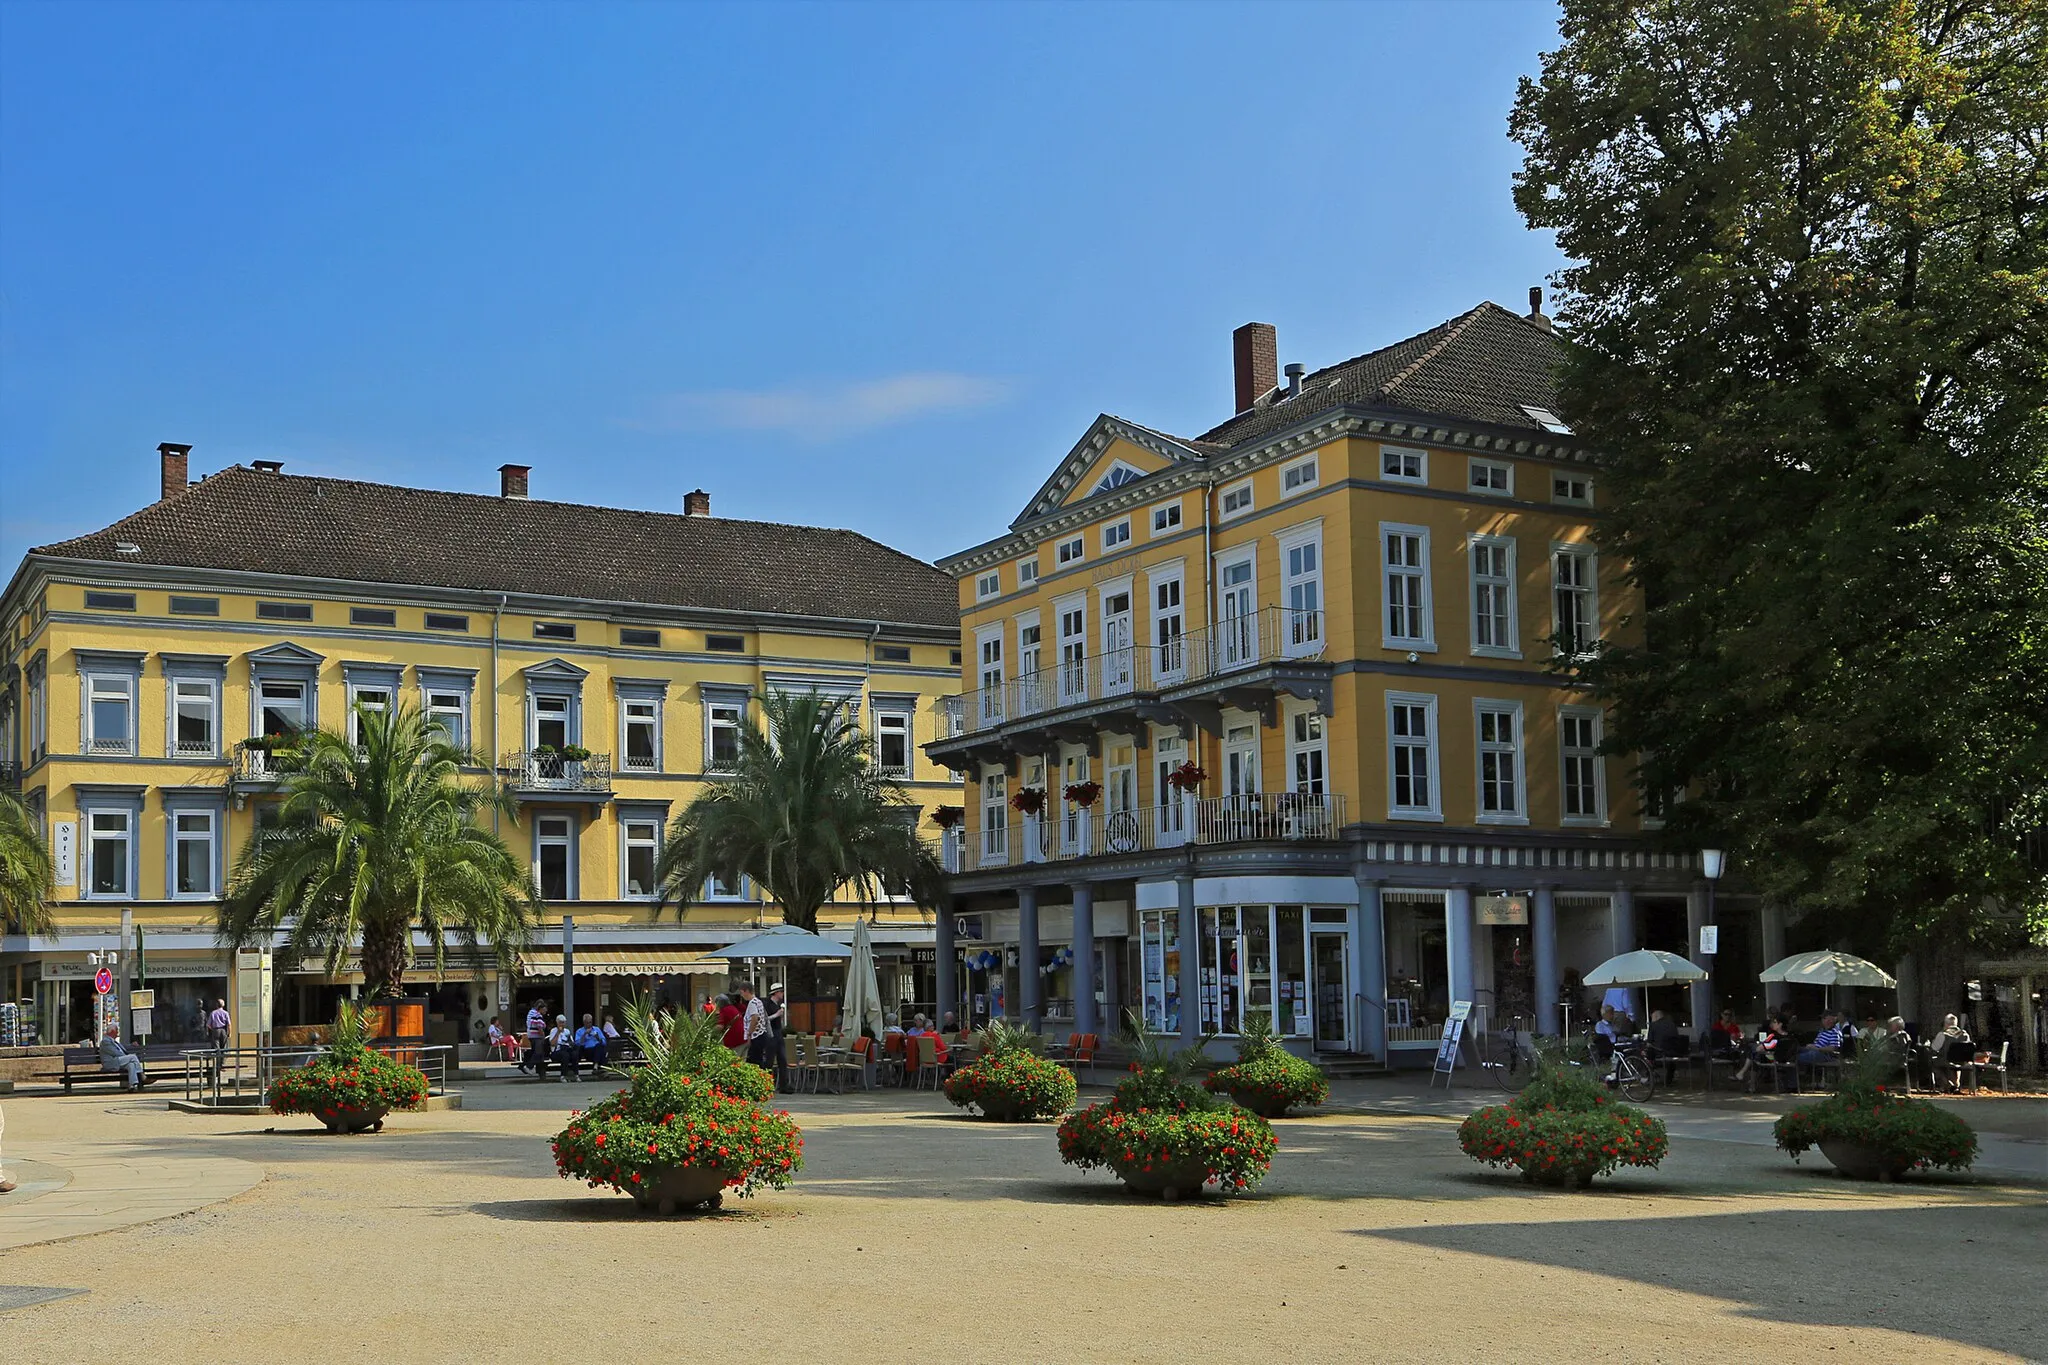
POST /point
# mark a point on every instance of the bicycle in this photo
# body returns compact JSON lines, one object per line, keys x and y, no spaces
{"x":1633,"y":1075}
{"x":1509,"y":1057}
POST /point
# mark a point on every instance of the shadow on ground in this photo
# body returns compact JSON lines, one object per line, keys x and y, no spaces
{"x":1963,"y":1273}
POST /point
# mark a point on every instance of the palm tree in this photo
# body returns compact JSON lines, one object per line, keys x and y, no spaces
{"x":378,"y":838}
{"x":24,"y":871}
{"x":805,"y":813}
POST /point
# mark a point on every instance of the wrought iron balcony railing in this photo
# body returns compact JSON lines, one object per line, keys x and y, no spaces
{"x":1057,"y":835}
{"x":551,"y":770}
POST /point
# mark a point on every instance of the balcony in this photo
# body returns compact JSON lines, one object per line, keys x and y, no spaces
{"x":1244,"y":661}
{"x":1260,"y":817}
{"x":549,"y":773}
{"x":261,"y":769}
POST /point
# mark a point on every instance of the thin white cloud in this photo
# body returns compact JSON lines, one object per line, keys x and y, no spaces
{"x":826,"y":412}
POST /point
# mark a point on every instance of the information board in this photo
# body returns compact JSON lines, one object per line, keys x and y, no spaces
{"x":1454,"y":1034}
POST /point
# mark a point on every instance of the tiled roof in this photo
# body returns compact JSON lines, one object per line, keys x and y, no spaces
{"x":1481,"y":366}
{"x":256,"y":521}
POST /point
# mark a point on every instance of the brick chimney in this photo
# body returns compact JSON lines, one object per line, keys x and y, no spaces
{"x":176,"y":468}
{"x":1255,"y":355}
{"x":696,"y":503}
{"x":512,"y":480}
{"x":1536,"y":307}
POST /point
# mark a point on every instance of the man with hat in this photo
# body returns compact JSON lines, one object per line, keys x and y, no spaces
{"x":778,"y":1025}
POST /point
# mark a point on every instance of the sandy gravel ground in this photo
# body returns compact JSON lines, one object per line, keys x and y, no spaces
{"x":915,"y":1235}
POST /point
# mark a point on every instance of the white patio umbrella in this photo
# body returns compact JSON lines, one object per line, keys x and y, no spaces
{"x":1827,"y":968}
{"x":1644,"y":967}
{"x":863,"y":1002}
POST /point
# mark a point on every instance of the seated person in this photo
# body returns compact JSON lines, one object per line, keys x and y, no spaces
{"x":1773,"y":1047}
{"x":1826,"y":1045}
{"x":919,"y":1026}
{"x":591,"y":1043}
{"x":1946,"y":1049}
{"x":1725,"y":1036}
{"x":1604,"y":1035}
{"x":114,"y":1057}
{"x":1667,"y":1042}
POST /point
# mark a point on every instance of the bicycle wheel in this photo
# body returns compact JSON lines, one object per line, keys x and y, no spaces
{"x":1520,"y":1064}
{"x":1632,"y":1076}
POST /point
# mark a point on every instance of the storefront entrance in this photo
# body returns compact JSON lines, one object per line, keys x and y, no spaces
{"x":1329,"y":955}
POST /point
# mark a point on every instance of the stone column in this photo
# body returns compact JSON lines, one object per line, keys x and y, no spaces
{"x":1190,"y":961}
{"x":1458,"y":941}
{"x":1370,"y":990}
{"x":1702,"y":991}
{"x":1084,"y":958}
{"x":1543,"y":933}
{"x":1029,"y":1007}
{"x":1771,"y":919}
{"x":1621,"y":925}
{"x":949,"y":986}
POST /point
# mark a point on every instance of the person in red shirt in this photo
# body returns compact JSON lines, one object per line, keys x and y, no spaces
{"x":1725,"y":1036}
{"x":733,"y":1021}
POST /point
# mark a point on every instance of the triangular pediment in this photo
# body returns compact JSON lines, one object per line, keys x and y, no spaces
{"x":555,"y":670}
{"x":285,"y":653}
{"x":1112,"y":454}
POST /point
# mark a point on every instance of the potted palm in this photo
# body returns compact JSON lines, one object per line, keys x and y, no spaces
{"x":1268,"y":1079}
{"x":351,"y":1086}
{"x":1010,"y":1081}
{"x":691,"y":1124}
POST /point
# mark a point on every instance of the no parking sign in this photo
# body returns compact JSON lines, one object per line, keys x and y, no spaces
{"x":103,"y":981}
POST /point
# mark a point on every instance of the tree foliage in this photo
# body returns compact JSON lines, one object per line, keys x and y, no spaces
{"x":374,"y":840}
{"x":24,"y":870}
{"x":804,"y":813}
{"x":1808,"y":329}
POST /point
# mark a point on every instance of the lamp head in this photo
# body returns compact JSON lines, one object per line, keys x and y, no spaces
{"x":1712,"y":860}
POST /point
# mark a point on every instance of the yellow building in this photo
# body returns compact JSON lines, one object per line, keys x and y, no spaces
{"x":1341,"y":607}
{"x":602,"y":659}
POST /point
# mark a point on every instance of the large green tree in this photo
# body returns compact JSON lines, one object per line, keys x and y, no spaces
{"x":376,"y":838}
{"x":24,"y":870}
{"x":1808,"y":328}
{"x":804,"y":812}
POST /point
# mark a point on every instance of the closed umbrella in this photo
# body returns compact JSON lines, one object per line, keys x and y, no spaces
{"x":1827,"y":968}
{"x":863,"y":1002}
{"x":1644,"y":967}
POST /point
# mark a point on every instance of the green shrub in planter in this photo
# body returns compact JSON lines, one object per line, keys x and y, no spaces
{"x":1268,"y":1079}
{"x":1162,"y":1134}
{"x":1869,"y":1130}
{"x":350,"y":1087}
{"x":1564,"y":1129}
{"x":1010,"y":1081}
{"x":690,"y":1125}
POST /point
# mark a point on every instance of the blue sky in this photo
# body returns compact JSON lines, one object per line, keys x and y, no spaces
{"x":871,"y":266}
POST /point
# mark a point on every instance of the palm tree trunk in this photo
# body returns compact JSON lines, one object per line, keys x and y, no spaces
{"x":384,"y":959}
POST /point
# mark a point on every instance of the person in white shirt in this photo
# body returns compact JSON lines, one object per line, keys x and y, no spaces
{"x":754,"y":1028}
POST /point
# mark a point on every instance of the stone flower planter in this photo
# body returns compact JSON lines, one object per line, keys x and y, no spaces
{"x":1859,"y":1162}
{"x":1560,"y":1180}
{"x":1181,"y":1180}
{"x":682,"y":1187}
{"x":354,"y":1120}
{"x":1264,"y":1106}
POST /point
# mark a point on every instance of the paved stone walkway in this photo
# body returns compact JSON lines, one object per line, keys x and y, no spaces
{"x":73,"y":1191}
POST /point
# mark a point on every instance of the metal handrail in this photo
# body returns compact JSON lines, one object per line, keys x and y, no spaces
{"x":1056,"y":834}
{"x":531,"y":770}
{"x":214,"y":1076}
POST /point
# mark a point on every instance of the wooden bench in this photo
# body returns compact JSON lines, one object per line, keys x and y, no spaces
{"x":82,"y":1064}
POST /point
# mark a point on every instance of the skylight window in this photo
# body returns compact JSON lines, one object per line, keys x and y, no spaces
{"x":1548,"y":420}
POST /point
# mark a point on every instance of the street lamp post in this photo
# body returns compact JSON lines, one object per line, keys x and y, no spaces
{"x":1712,"y":862}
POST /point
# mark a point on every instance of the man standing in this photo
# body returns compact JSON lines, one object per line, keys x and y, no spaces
{"x":536,"y":1035}
{"x":114,"y":1057}
{"x":217,"y":1034}
{"x":778,"y":1026}
{"x":754,"y":1027}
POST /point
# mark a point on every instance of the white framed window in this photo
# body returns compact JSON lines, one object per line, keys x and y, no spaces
{"x":551,"y":717}
{"x":1031,"y":693}
{"x":1027,"y":571}
{"x":639,"y":854}
{"x":1502,"y":794}
{"x":1073,"y":642}
{"x":1301,"y":589}
{"x":1236,"y":639}
{"x":281,"y":706}
{"x":1169,"y":751}
{"x":374,"y":698}
{"x":1299,"y":476}
{"x":1307,"y":753}
{"x":1115,"y":534}
{"x":110,"y":847}
{"x":1571,"y":490}
{"x":1076,"y":824}
{"x":987,"y":585}
{"x":722,"y":722}
{"x":1169,"y":625}
{"x":554,"y":860}
{"x":1582,"y":775}
{"x":1404,"y":556}
{"x":109,"y":713}
{"x":38,"y":715}
{"x":988,"y":649}
{"x":1237,"y":500}
{"x":1165,"y":517}
{"x":1117,"y":476}
{"x":1496,"y":628}
{"x":1412,"y":788}
{"x":193,"y":835}
{"x":640,"y":735}
{"x":892,"y":743}
{"x":448,"y":710}
{"x":1120,"y":778}
{"x":995,"y":816}
{"x":1072,"y":551}
{"x":717,"y":888}
{"x":1493,"y":478}
{"x":1574,"y":592}
{"x":1548,"y":420}
{"x":195,"y":718}
{"x":1403,"y":465}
